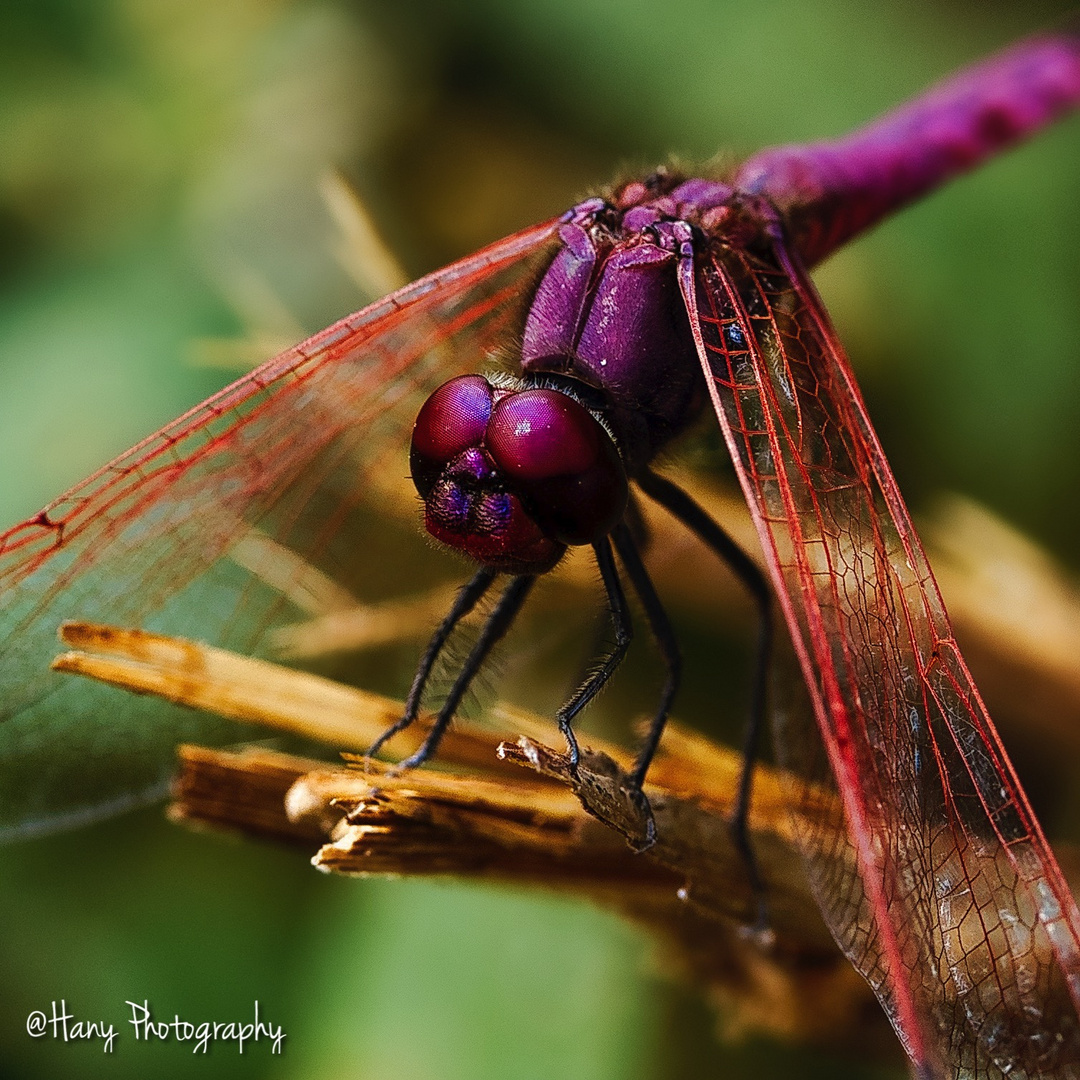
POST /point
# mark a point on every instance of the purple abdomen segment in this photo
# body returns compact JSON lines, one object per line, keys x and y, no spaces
{"x":828,"y":192}
{"x":511,"y":477}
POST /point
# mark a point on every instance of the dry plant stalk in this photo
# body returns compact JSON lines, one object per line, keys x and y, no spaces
{"x":514,"y":812}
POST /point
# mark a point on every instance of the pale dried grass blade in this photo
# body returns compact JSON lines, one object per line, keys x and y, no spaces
{"x":363,"y":253}
{"x":270,"y":326}
{"x":259,"y":692}
{"x":364,"y":626}
{"x":1017,"y":615}
{"x":225,"y":683}
{"x":291,"y":574}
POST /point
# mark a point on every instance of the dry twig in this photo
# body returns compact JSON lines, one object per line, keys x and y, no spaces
{"x":514,"y":812}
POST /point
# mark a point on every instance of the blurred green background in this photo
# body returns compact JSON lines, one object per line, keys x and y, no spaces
{"x":159,"y":168}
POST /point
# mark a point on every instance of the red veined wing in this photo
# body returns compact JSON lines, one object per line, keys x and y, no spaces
{"x":290,"y":452}
{"x":941,"y":888}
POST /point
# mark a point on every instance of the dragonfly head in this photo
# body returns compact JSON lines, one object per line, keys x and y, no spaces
{"x":512,"y":477}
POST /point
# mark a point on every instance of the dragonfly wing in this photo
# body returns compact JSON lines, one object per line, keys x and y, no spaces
{"x":286,"y":460}
{"x":937,"y":883}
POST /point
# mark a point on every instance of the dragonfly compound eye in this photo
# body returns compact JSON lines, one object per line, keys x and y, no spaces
{"x":562,"y":462}
{"x":451,"y":421}
{"x":512,"y":477}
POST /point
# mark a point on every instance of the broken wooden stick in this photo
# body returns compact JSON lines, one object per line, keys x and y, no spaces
{"x":513,"y":811}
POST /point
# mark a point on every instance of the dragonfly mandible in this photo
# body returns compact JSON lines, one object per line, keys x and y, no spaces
{"x":951,"y":903}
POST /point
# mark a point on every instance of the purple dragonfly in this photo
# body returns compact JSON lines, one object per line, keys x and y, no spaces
{"x":627,"y":318}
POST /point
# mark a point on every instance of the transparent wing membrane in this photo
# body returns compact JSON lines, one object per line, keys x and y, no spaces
{"x":297,"y":453}
{"x":946,"y":895}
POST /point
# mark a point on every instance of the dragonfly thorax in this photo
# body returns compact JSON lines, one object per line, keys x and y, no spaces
{"x":608,"y":311}
{"x":511,"y":477}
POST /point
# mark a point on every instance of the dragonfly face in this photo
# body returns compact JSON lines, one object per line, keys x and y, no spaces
{"x":511,"y":477}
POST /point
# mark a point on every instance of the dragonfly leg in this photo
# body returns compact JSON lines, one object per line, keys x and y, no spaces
{"x":679,"y":504}
{"x":634,"y":520}
{"x":624,"y":632}
{"x":467,"y":598}
{"x":499,"y":621}
{"x":665,"y":639}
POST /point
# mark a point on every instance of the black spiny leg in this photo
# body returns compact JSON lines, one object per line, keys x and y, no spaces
{"x":499,"y":621}
{"x":624,"y":632}
{"x":466,"y":600}
{"x":665,"y":639}
{"x":677,"y":502}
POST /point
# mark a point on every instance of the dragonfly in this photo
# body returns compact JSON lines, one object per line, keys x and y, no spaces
{"x":946,"y":897}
